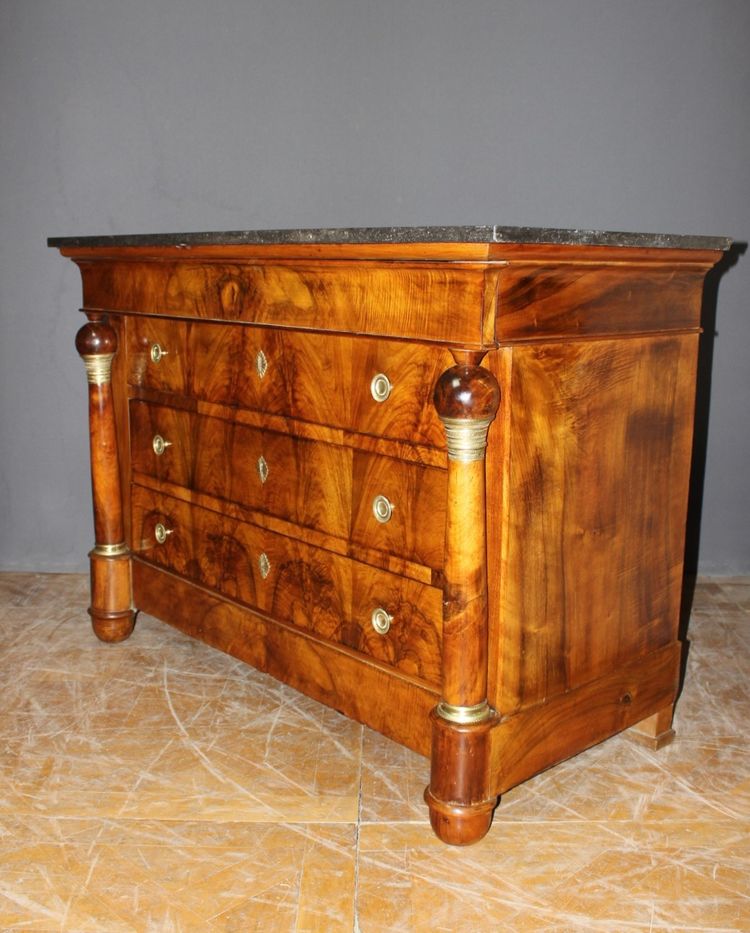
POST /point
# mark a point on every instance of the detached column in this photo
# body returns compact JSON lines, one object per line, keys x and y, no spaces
{"x":111,"y":609}
{"x":459,"y":796}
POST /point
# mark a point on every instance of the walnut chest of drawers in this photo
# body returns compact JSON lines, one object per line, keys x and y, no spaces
{"x":435,"y":478}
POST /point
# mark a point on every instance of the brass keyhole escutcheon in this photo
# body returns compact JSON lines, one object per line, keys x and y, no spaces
{"x":380,"y":387}
{"x":264,"y":564}
{"x":161,"y":532}
{"x":381,"y":620}
{"x":382,"y":509}
{"x":160,"y":445}
{"x":157,"y":352}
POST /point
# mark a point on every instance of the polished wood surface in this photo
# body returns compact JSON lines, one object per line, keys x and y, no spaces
{"x":416,"y":301}
{"x":309,"y":377}
{"x":499,"y":609}
{"x":308,"y":587}
{"x":599,"y":459}
{"x":327,"y":487}
{"x":111,"y":611}
{"x":543,"y":300}
{"x":333,"y":674}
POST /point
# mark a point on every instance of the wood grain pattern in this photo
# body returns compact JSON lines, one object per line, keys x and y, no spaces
{"x":307,"y":482}
{"x":416,"y":529}
{"x":436,"y":303}
{"x":470,"y":396}
{"x":548,"y":606}
{"x":311,"y":377}
{"x":600,"y":436}
{"x":542,"y":735}
{"x":326,"y":487}
{"x":543,"y":301}
{"x":466,"y":399}
{"x":111,"y":610}
{"x":309,"y":588}
{"x":388,"y":701}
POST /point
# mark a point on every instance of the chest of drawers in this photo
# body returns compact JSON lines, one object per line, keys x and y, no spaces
{"x":435,"y":478}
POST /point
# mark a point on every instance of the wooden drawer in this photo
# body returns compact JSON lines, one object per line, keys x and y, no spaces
{"x":321,"y":378}
{"x":447,"y":302}
{"x":330,"y":488}
{"x":310,"y":588}
{"x":305,"y":482}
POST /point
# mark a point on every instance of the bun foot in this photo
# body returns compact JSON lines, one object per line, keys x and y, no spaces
{"x":459,"y":825}
{"x":113,"y":627}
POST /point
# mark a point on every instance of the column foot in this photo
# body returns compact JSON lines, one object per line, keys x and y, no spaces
{"x":112,"y":614}
{"x":461,"y":797}
{"x":114,"y":627}
{"x":459,"y":825}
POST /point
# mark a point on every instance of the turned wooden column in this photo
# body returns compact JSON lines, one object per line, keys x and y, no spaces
{"x":111,"y":609}
{"x":459,"y":796}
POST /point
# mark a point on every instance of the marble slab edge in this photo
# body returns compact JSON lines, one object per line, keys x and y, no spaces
{"x":374,"y":235}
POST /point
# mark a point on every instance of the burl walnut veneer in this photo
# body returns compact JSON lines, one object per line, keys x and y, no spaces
{"x":435,"y":478}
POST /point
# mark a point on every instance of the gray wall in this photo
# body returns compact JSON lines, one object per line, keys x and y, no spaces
{"x":158,"y":115}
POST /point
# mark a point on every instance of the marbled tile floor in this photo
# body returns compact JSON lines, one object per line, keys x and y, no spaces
{"x":160,"y":785}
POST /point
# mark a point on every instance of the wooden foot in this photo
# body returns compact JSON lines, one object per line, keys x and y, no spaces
{"x":656,"y":731}
{"x":457,"y":825}
{"x":112,"y":617}
{"x":113,"y":628}
{"x":459,"y":798}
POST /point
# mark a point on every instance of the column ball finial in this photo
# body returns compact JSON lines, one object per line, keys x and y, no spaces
{"x":96,"y":339}
{"x":468,"y":393}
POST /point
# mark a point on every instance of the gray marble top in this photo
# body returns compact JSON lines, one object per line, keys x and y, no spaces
{"x":404,"y":235}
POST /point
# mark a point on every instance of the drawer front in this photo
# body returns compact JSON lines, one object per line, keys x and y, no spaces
{"x":310,"y":588}
{"x":444,"y":302}
{"x":377,"y":387}
{"x":374,"y":501}
{"x":303,"y":481}
{"x":399,"y":508}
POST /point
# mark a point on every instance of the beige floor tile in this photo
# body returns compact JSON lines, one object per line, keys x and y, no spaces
{"x":393,"y":781}
{"x":159,"y":785}
{"x":574,"y":875}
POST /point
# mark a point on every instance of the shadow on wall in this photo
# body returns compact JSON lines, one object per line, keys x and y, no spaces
{"x":700,"y":436}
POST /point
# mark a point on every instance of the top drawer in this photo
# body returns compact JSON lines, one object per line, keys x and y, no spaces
{"x":444,"y":302}
{"x":377,"y":387}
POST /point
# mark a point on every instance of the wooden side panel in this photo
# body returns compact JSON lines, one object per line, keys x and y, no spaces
{"x":540,"y":736}
{"x":393,"y":705}
{"x":419,"y":301}
{"x":598,"y":464}
{"x":540,"y":301}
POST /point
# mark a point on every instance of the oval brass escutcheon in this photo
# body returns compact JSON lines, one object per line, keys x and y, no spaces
{"x":161,"y":532}
{"x":262,"y":468}
{"x":381,"y":620}
{"x":382,"y":509}
{"x":261,"y":363}
{"x":160,"y":445}
{"x":264,"y":565}
{"x":157,"y":352}
{"x":380,"y":387}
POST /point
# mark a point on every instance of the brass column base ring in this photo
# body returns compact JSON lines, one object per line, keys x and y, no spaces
{"x":464,"y":715}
